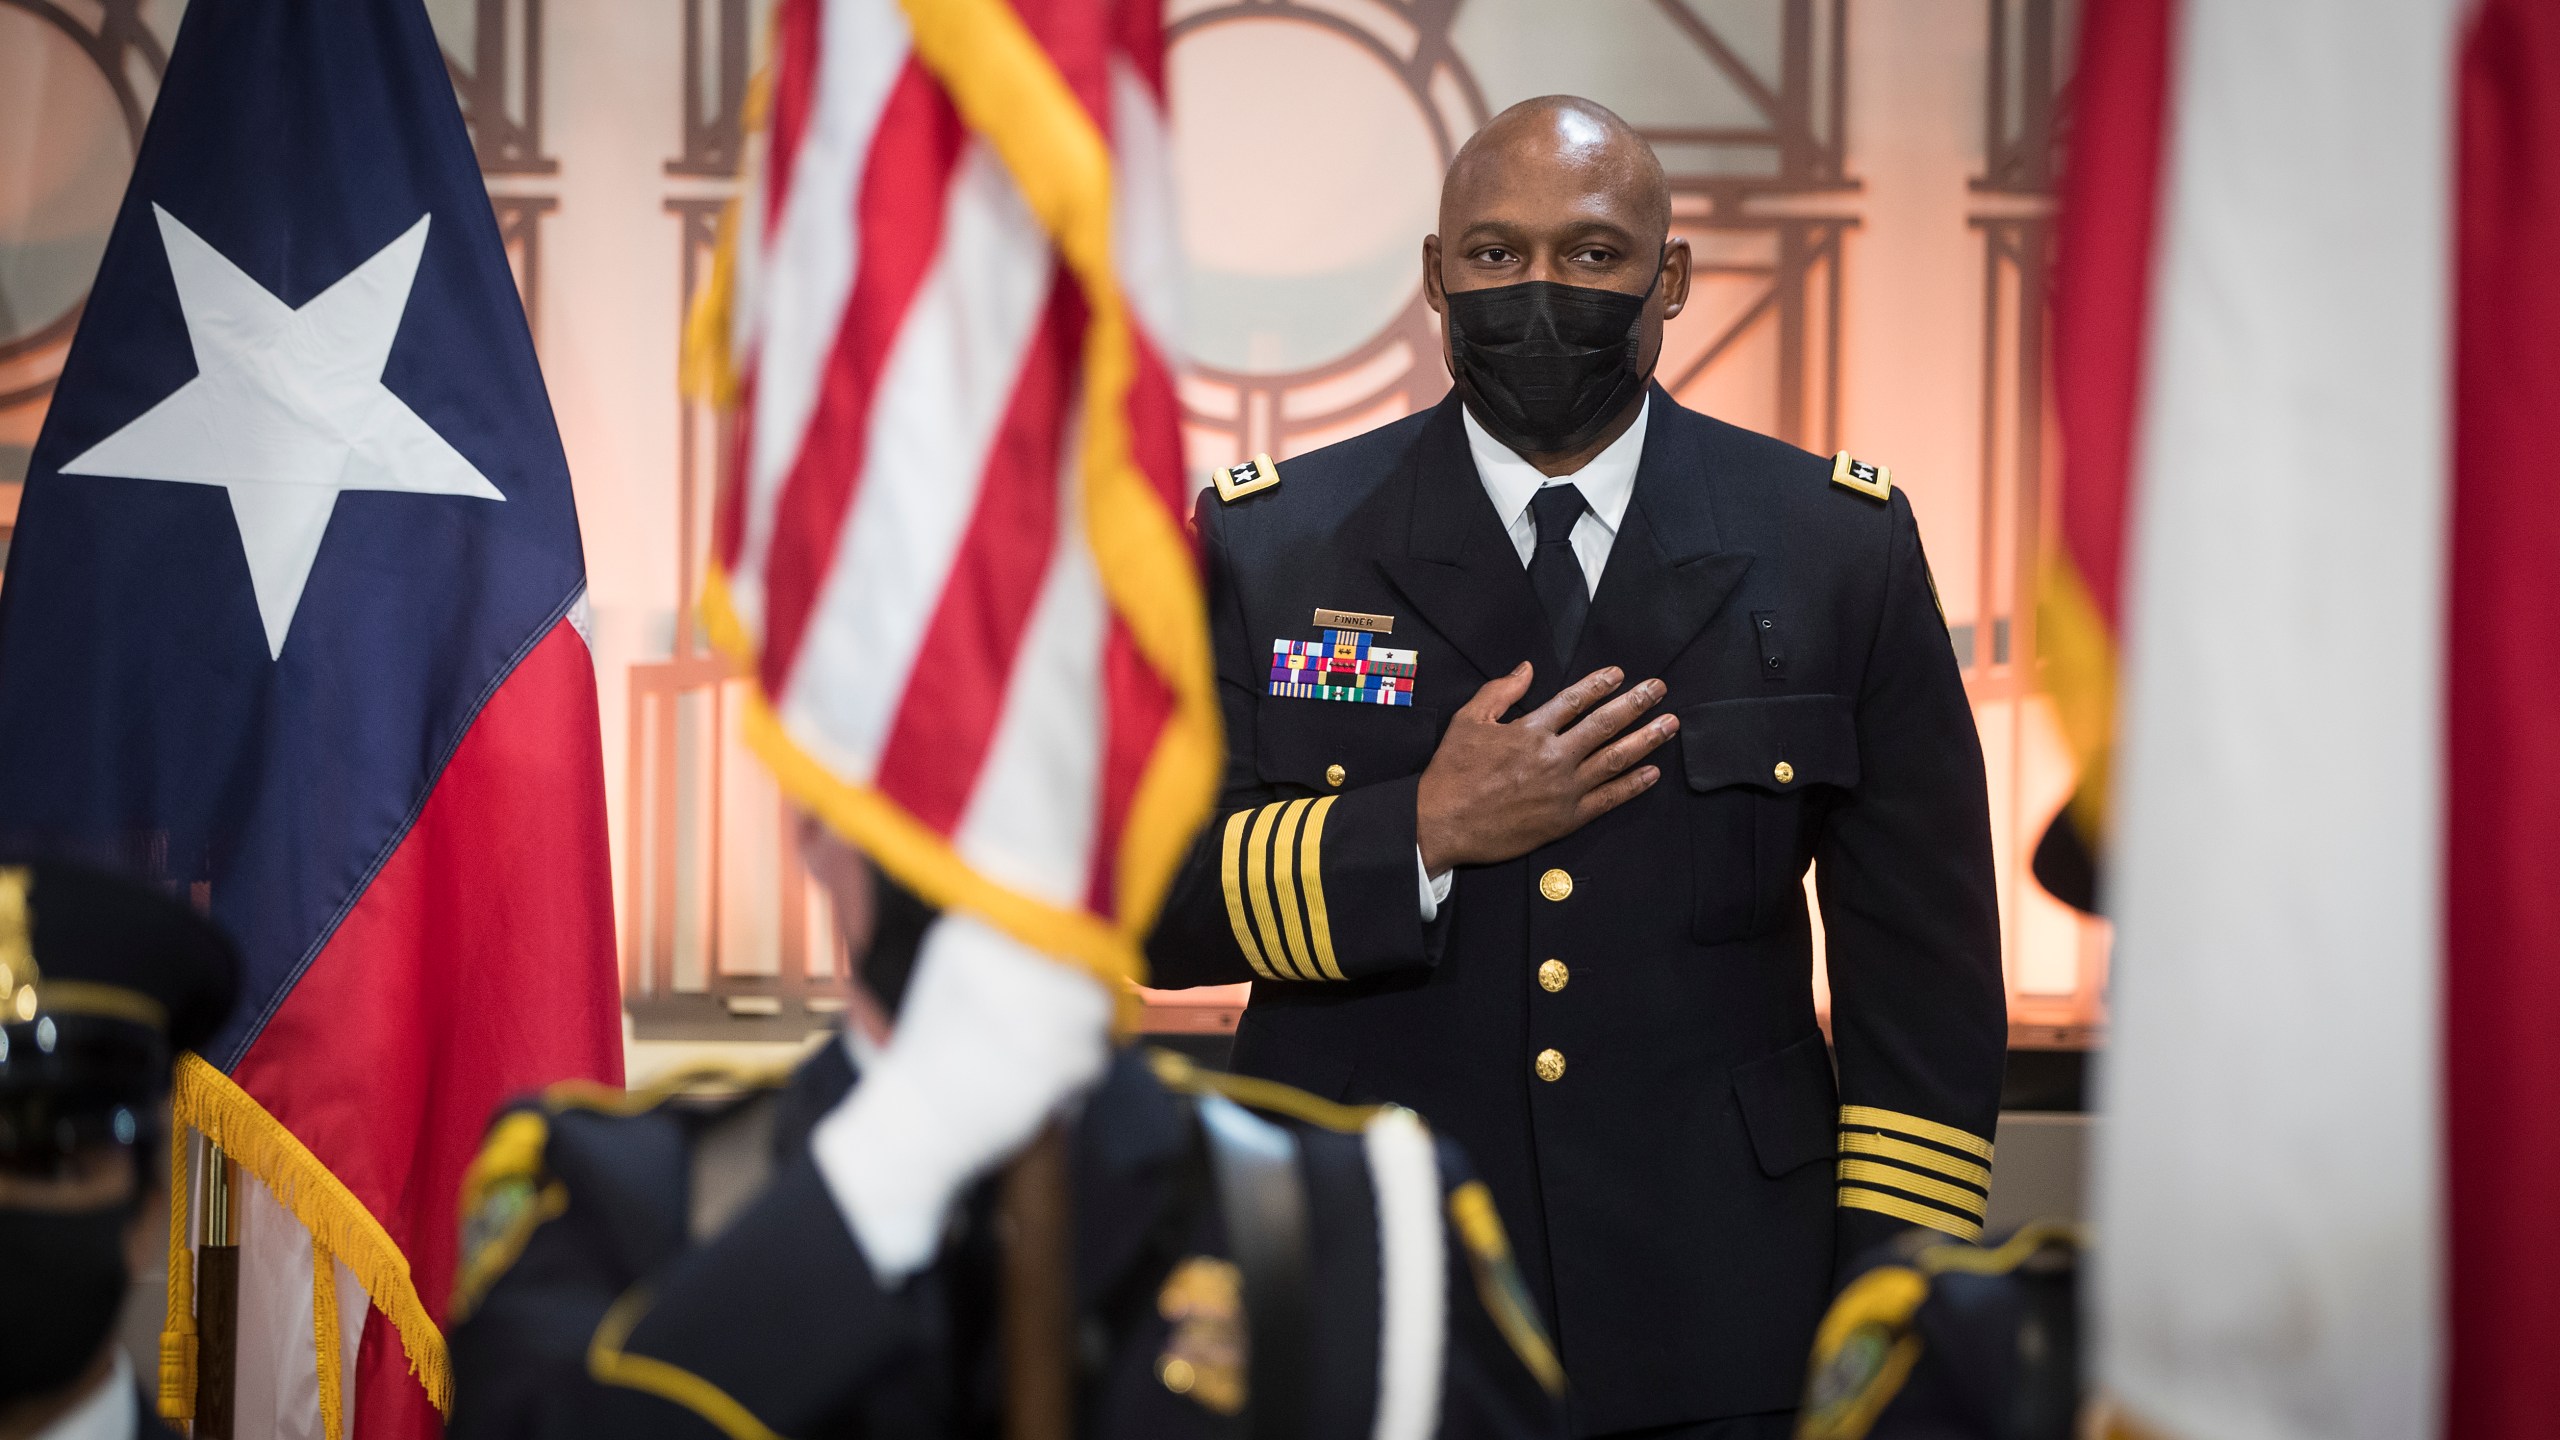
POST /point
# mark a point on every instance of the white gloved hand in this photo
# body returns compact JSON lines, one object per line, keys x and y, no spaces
{"x":992,"y":1037}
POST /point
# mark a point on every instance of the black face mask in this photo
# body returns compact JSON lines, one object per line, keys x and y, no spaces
{"x":67,"y":1280}
{"x":1546,"y":366}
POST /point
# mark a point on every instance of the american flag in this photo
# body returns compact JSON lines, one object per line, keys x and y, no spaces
{"x":950,"y":551}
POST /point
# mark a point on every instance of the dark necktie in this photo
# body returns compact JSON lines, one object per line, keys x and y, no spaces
{"x":1554,"y":571}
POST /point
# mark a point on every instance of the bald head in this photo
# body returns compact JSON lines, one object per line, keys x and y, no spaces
{"x":1559,"y":148}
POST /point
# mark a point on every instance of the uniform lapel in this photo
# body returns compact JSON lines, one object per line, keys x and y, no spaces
{"x":1459,"y":569}
{"x":1667,"y":574}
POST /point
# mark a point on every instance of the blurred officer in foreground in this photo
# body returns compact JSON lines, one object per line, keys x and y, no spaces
{"x":1937,"y":1341}
{"x":102,"y":982}
{"x":814,"y":1255}
{"x":1539,"y":704}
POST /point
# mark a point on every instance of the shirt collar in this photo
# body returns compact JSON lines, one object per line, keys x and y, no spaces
{"x":1608,"y":479}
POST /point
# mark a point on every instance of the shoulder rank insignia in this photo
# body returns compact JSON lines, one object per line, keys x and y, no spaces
{"x":1237,"y":481}
{"x":1858,"y":475}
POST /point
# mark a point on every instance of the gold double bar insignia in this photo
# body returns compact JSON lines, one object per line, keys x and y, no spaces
{"x":1271,"y":865}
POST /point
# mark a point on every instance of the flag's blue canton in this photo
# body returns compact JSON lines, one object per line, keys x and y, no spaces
{"x":1344,"y":665}
{"x":142,"y":721}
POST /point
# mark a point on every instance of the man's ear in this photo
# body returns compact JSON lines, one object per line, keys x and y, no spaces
{"x":1675,"y":276}
{"x":1431,"y":293}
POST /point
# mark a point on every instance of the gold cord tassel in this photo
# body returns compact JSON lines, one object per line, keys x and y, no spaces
{"x":178,"y":1334}
{"x":324,"y":1340}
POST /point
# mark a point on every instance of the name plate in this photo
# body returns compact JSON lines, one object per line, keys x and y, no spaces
{"x":1354,"y":620}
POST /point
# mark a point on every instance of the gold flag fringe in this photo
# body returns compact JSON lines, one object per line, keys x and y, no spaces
{"x":206,"y":1099}
{"x":324,"y":1341}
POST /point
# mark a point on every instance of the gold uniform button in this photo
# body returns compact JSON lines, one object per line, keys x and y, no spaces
{"x":1555,"y":885}
{"x":1550,"y":1065}
{"x":1785,"y":772}
{"x":1553,"y":975}
{"x":1334,"y":774}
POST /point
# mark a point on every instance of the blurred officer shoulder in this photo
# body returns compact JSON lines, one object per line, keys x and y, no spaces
{"x":666,"y":1259}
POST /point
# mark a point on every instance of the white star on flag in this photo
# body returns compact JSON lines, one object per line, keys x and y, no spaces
{"x":287,"y":409}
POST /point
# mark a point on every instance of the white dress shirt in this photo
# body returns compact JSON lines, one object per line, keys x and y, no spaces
{"x":1608,"y":482}
{"x":110,"y":1412}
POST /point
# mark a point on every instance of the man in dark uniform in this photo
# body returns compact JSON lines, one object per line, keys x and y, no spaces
{"x":1538,"y":705}
{"x":101,"y":983}
{"x":1250,"y":1263}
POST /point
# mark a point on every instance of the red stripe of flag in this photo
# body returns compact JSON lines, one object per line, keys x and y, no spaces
{"x":2502,"y":735}
{"x":1138,"y":36}
{"x":899,"y":214}
{"x":937,"y":742}
{"x":2102,"y":293}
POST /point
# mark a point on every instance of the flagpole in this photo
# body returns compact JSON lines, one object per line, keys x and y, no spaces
{"x":217,"y":1298}
{"x":1039,"y":1309}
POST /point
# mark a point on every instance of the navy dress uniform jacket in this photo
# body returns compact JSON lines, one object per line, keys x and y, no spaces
{"x":588,"y":1306}
{"x":1659,"y":1116}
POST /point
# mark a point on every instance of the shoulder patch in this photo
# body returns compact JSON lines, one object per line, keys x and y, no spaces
{"x":1862,"y":1354}
{"x":1861,"y":476}
{"x":506,"y":1196}
{"x":1250,"y":477}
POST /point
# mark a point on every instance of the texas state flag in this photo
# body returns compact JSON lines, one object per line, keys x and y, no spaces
{"x":290,"y":625}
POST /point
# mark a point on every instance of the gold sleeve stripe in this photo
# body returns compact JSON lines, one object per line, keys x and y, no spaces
{"x":1930,"y":1130}
{"x":1231,"y":874}
{"x":1257,"y":890}
{"x":1877,"y":1172}
{"x":1284,"y":888}
{"x":1853,"y":1198}
{"x":1862,"y":1143}
{"x":1311,"y":867}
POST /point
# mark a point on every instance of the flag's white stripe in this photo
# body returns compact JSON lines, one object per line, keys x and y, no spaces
{"x":2267,"y":1173}
{"x":949,"y":379}
{"x":275,"y":1376}
{"x":808,"y":273}
{"x":1413,"y":1275}
{"x":1031,"y":816}
{"x":1145,"y":254}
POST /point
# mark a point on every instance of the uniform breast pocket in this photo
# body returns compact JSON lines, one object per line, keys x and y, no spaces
{"x":1329,"y":745}
{"x":1758,"y":771}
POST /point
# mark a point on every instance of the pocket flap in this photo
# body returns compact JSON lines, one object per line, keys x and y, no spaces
{"x":1298,"y":742}
{"x":1790,"y":1104}
{"x":1783,"y":743}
